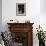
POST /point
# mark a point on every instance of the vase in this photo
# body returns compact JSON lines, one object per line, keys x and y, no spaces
{"x":41,"y":43}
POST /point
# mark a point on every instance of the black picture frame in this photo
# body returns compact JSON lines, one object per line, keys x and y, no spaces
{"x":21,"y":9}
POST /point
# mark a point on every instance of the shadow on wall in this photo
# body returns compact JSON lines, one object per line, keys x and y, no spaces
{"x":0,"y":15}
{"x":0,"y":23}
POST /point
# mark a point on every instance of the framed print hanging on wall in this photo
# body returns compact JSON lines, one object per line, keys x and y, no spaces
{"x":20,"y":9}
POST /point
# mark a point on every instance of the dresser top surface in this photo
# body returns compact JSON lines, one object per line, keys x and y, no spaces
{"x":19,"y":23}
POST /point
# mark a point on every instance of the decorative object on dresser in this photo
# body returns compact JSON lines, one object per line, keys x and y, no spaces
{"x":22,"y":33}
{"x":13,"y":21}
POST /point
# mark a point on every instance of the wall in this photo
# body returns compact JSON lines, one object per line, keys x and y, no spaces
{"x":0,"y":15}
{"x":33,"y":13}
{"x":43,"y":6}
{"x":43,"y":14}
{"x":9,"y":10}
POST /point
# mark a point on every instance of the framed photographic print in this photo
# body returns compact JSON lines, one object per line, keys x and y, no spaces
{"x":20,"y":9}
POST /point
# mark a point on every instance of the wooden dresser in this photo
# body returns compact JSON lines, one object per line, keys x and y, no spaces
{"x":22,"y":33}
